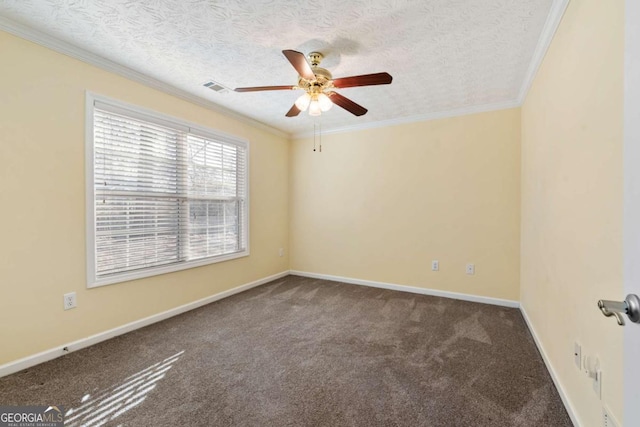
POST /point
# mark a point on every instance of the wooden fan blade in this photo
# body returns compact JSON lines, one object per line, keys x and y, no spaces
{"x":364,"y":80}
{"x":294,"y":111}
{"x":300,"y":63}
{"x":260,"y":88}
{"x":347,"y":104}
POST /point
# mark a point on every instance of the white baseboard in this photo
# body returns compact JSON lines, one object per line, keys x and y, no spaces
{"x":36,"y":359}
{"x":412,"y":289}
{"x":556,"y":380}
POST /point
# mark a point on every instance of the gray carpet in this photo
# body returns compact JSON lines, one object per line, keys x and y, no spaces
{"x":307,"y":352}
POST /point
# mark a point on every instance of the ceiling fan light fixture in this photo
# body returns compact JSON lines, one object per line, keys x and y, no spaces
{"x":303,"y":102}
{"x":314,"y":108}
{"x":325,"y":102}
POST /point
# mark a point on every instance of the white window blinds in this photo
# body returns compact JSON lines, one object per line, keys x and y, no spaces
{"x":164,"y":196}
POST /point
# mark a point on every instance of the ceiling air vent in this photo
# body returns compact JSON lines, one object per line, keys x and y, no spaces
{"x":216,"y":87}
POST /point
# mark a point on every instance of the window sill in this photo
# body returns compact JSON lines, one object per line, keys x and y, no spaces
{"x":92,"y":282}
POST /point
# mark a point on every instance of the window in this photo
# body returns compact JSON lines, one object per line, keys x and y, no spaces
{"x":162,"y":195}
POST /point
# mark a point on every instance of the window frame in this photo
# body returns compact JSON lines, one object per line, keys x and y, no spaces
{"x":138,"y":112}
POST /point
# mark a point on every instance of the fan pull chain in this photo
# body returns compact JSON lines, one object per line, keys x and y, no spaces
{"x":317,"y":135}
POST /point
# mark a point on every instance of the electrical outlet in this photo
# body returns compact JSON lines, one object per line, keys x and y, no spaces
{"x":471,"y":269}
{"x":281,"y":252}
{"x":69,"y":300}
{"x":577,"y":355}
{"x":435,"y":265}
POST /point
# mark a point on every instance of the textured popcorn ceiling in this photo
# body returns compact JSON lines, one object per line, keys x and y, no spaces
{"x":443,"y":54}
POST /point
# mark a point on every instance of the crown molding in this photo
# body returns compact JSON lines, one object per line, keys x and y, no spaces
{"x":83,"y":55}
{"x":474,"y":109}
{"x":546,"y":36}
{"x":551,"y":25}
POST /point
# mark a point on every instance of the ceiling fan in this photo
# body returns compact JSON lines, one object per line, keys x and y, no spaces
{"x":318,"y":83}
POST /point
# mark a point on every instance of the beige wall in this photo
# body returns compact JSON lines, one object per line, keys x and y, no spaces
{"x":572,"y":200}
{"x":42,"y":215}
{"x":542,"y":225}
{"x":380,"y":204}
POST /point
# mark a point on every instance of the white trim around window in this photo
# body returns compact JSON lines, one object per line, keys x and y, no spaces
{"x":195,"y":217}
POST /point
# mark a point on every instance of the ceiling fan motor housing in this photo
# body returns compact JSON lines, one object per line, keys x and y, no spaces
{"x":319,"y":84}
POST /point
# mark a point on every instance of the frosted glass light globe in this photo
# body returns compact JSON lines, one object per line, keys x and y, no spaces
{"x":325,"y":102}
{"x":303,"y":102}
{"x":314,"y":108}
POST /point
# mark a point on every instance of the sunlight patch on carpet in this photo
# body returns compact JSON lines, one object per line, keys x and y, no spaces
{"x":105,"y":406}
